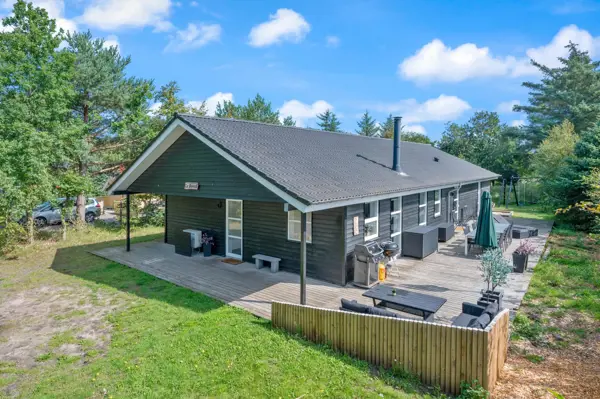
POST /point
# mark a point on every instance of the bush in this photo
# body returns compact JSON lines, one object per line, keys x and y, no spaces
{"x":583,"y":216}
{"x":151,"y":215}
{"x":472,"y":390}
{"x":11,"y":235}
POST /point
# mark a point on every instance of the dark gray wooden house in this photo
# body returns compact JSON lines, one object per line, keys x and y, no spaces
{"x":259,"y":186}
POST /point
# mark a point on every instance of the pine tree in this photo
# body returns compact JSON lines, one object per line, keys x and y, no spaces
{"x":289,"y":121}
{"x":328,"y":121}
{"x":571,"y":91}
{"x":387,"y":129}
{"x":415,"y":137}
{"x":257,"y":109}
{"x":170,"y":103}
{"x":367,"y":126}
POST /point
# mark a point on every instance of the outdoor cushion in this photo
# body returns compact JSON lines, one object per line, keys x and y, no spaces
{"x":491,"y":310}
{"x":463,"y":320}
{"x":354,"y":306}
{"x":484,"y":320}
{"x":474,"y":323}
{"x":380,"y":312}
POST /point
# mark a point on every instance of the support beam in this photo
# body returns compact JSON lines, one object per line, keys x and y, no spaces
{"x":166,"y":220}
{"x":128,"y":216}
{"x":303,"y":258}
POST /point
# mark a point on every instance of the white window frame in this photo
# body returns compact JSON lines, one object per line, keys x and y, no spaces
{"x":456,"y":213}
{"x":422,"y":205}
{"x":227,"y":235}
{"x":394,"y":213}
{"x":437,"y":204}
{"x":299,"y":222}
{"x":371,"y":220}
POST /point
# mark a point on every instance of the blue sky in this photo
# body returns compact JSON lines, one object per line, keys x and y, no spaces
{"x":428,"y":61}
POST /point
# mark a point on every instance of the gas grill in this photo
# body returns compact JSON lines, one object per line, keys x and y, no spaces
{"x":366,"y":262}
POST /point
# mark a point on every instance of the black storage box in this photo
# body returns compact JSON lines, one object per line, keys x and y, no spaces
{"x":183,"y":243}
{"x":420,"y":242}
{"x":445,"y":231}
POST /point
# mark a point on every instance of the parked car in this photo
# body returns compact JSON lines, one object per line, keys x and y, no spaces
{"x":47,"y":214}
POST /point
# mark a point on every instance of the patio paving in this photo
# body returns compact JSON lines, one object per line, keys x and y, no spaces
{"x":448,"y":274}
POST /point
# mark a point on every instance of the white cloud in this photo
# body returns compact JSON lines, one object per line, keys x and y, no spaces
{"x":193,"y":37}
{"x":415,"y":128}
{"x":111,"y":41}
{"x":437,"y":62}
{"x":332,"y":41}
{"x":507,"y":106}
{"x":517,"y":123}
{"x":444,"y":108}
{"x":120,"y":14}
{"x":55,"y":9}
{"x":154,"y":108}
{"x":194,"y":4}
{"x":302,"y":112}
{"x":212,"y":101}
{"x":284,"y":25}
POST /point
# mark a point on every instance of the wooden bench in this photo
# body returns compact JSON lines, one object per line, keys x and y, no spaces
{"x":259,"y":260}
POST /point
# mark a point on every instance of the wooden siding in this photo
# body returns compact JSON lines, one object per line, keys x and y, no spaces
{"x":410,"y":211}
{"x":432,"y":220}
{"x":197,"y":213}
{"x":468,"y":202}
{"x":485,"y":186}
{"x":440,"y":355}
{"x":265,"y":232}
{"x":351,"y":239}
{"x":190,"y":160}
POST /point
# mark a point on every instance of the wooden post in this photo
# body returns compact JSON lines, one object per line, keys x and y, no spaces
{"x":166,"y":220}
{"x":128,"y":222}
{"x":303,"y":258}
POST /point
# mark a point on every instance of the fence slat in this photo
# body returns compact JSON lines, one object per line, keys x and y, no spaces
{"x":441,"y":355}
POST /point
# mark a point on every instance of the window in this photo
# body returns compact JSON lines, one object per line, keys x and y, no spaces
{"x":396,"y":221}
{"x":422,"y":209}
{"x":371,"y":220}
{"x":294,"y":227}
{"x":437,"y":202}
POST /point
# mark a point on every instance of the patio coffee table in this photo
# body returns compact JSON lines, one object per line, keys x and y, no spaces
{"x":405,"y":301}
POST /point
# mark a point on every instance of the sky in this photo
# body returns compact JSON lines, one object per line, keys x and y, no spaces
{"x":431,"y":62}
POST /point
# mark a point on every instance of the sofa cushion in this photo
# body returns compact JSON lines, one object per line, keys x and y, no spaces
{"x":380,"y":312}
{"x":484,"y":320}
{"x":463,"y":320}
{"x":474,"y":323}
{"x":354,"y":306}
{"x":492,"y":310}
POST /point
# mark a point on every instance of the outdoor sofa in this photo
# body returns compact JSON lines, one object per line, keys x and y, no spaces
{"x":476,"y":316}
{"x":354,"y":306}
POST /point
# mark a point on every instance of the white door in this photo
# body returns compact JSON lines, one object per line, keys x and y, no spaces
{"x":233,"y":227}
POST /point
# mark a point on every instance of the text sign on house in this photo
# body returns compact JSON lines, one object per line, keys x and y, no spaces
{"x":191,"y":186}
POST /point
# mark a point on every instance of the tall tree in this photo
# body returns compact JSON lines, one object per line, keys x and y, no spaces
{"x":256,"y":109}
{"x":289,"y":121}
{"x":367,"y":126}
{"x":35,"y":99}
{"x":570,"y":91}
{"x":387,"y":129}
{"x":170,"y":103}
{"x":328,"y":121}
{"x":583,"y":164}
{"x":416,"y":138}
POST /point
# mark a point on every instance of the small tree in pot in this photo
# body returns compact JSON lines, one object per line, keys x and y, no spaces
{"x":521,"y":256}
{"x":207,"y":243}
{"x":494,"y":270}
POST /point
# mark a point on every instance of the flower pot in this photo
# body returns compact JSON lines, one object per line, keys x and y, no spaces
{"x":488,"y":297}
{"x":207,"y":249}
{"x":519,"y":262}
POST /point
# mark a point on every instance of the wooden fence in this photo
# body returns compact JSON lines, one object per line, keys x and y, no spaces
{"x":440,"y":355}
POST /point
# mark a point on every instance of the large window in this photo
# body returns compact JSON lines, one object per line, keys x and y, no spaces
{"x":396,"y":220}
{"x":422,"y":209}
{"x":294,"y":228}
{"x":371,"y":220}
{"x":437,"y":202}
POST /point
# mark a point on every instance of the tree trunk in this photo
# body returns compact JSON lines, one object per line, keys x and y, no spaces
{"x":81,"y":200}
{"x":30,"y":231}
{"x":516,"y":196}
{"x":64,"y":226}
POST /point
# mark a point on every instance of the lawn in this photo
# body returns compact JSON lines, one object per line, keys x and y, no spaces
{"x":528,"y":211}
{"x":556,"y":333}
{"x":79,"y":326}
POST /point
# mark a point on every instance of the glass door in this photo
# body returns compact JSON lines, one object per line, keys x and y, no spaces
{"x":233,"y":224}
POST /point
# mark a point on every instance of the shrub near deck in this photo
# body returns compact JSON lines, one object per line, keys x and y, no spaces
{"x":167,"y":341}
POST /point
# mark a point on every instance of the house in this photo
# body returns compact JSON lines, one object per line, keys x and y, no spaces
{"x":253,"y":184}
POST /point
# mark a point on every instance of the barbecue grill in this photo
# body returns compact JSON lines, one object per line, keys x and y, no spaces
{"x":367,"y":257}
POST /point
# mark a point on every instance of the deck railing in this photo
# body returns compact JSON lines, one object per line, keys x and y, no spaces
{"x":440,"y":355}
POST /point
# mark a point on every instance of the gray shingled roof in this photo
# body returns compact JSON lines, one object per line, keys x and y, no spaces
{"x":318,"y":167}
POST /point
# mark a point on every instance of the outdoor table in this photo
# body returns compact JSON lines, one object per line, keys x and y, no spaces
{"x":406,"y":301}
{"x":500,"y":228}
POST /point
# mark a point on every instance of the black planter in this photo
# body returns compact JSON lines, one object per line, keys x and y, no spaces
{"x":207,"y":249}
{"x":519,"y":262}
{"x":488,"y":297}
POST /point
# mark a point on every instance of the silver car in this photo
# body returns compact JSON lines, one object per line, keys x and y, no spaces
{"x":46,"y":214}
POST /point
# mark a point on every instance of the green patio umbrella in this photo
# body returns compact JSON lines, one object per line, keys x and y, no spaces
{"x":485,"y":236}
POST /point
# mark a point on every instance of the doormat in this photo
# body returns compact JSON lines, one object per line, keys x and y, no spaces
{"x":232,"y":261}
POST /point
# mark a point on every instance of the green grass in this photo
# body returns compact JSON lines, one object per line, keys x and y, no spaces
{"x":168,"y":342}
{"x":528,"y":211}
{"x":566,"y":284}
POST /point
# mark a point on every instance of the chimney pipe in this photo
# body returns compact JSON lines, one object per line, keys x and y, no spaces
{"x":397,"y":132}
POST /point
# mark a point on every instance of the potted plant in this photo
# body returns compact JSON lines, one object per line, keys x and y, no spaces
{"x":494,"y":270}
{"x":521,"y":256}
{"x":207,"y":243}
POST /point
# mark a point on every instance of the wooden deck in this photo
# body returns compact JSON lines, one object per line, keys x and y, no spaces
{"x":448,"y":274}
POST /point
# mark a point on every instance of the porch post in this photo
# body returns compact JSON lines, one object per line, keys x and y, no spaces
{"x":302,"y":258}
{"x":128,"y":224}
{"x":166,"y":220}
